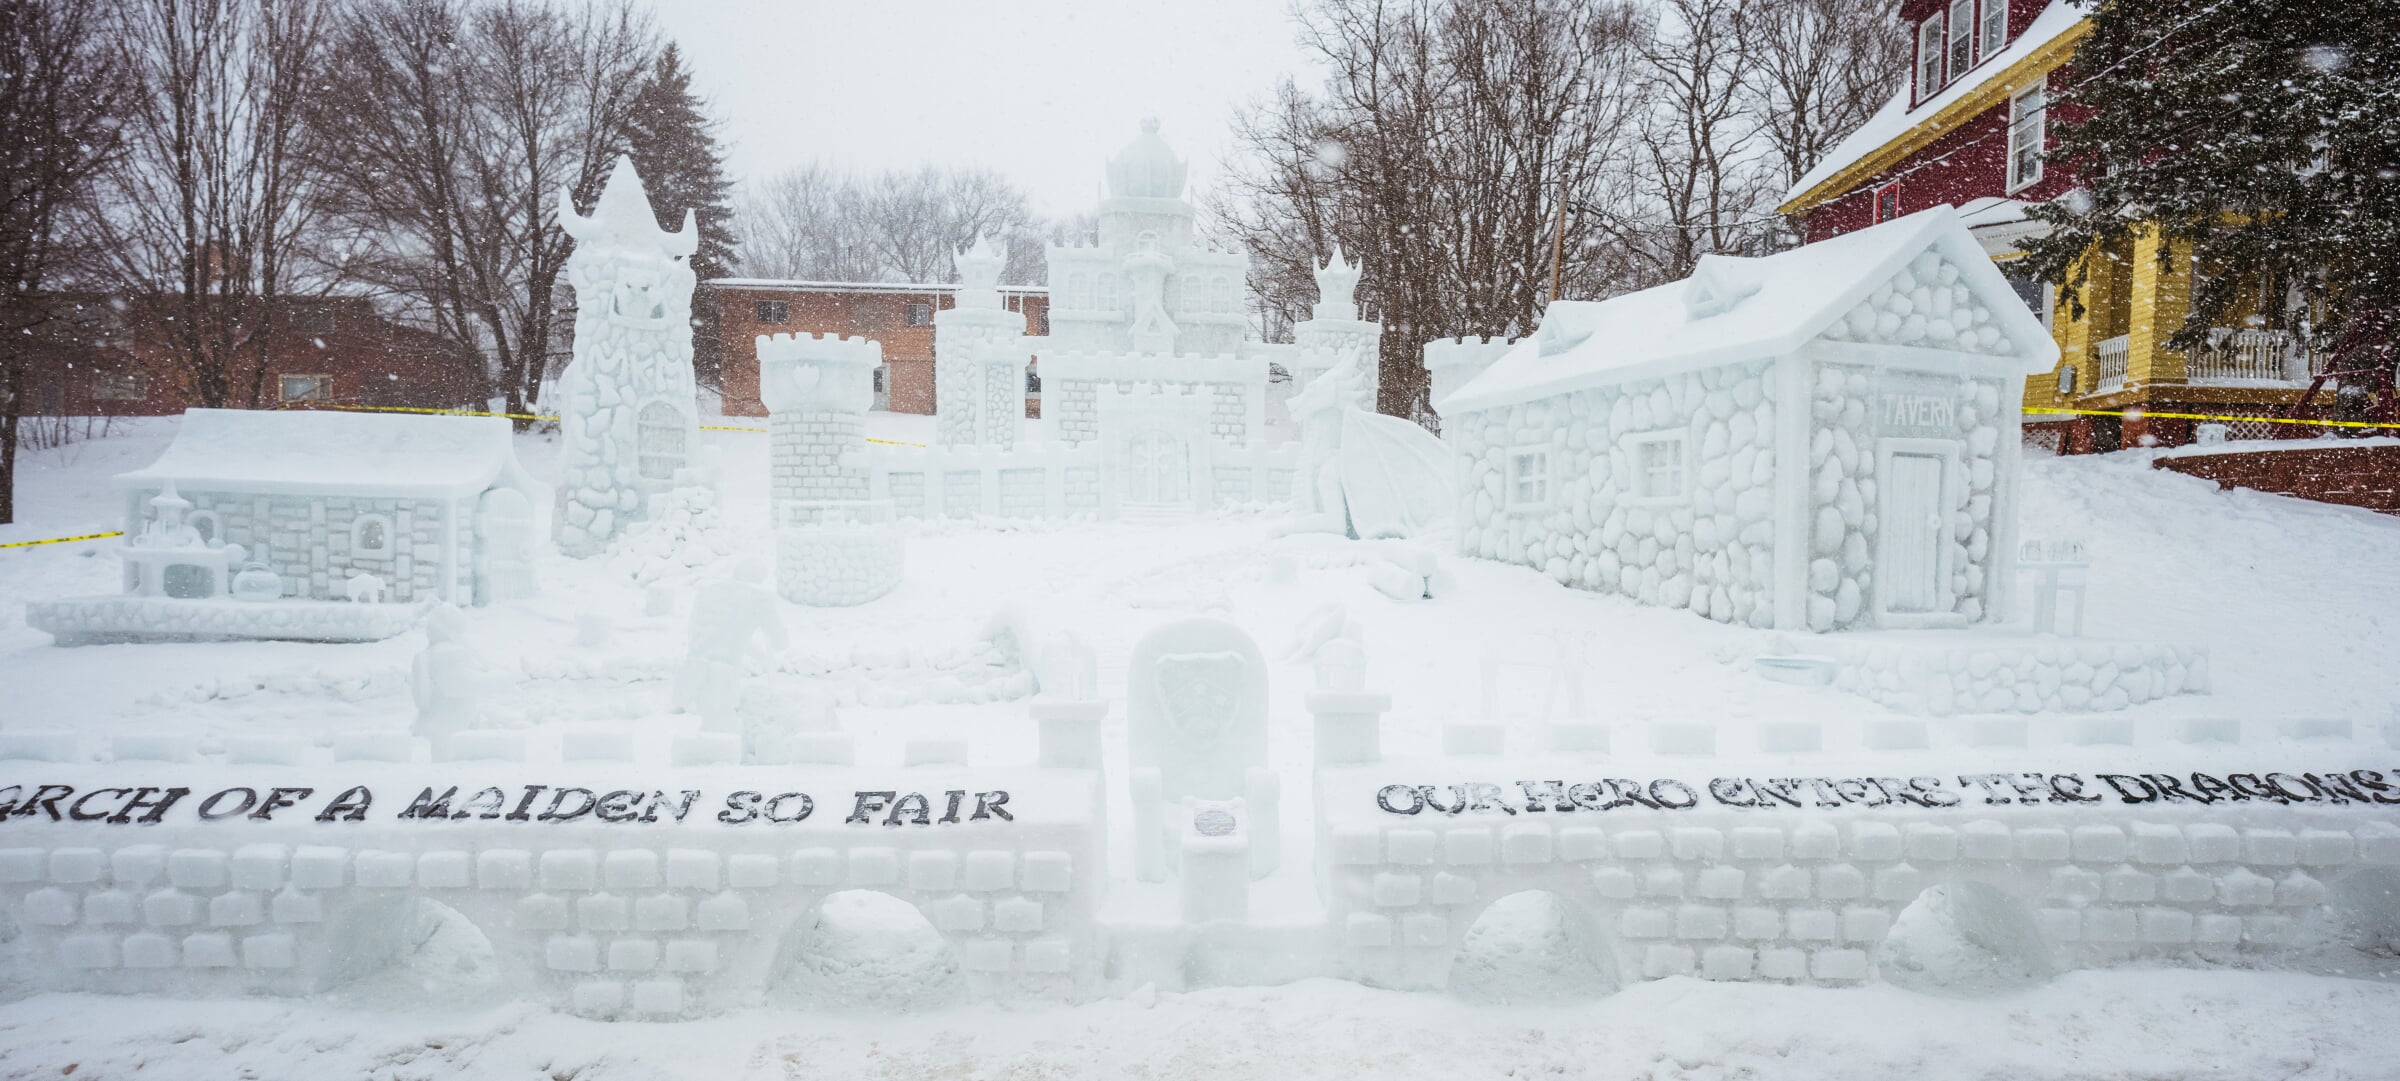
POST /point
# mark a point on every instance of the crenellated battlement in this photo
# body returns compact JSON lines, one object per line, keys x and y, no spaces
{"x":817,"y":373}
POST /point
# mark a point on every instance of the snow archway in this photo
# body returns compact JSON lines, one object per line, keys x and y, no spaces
{"x":1964,"y":939}
{"x":1532,"y":946}
{"x":410,"y":951}
{"x":865,"y":950}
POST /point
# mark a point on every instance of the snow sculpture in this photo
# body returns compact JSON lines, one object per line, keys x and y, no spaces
{"x":310,"y":507}
{"x":2059,"y":568}
{"x":833,"y":545}
{"x":1408,"y":572}
{"x":980,"y":358}
{"x":630,"y":412}
{"x":1823,"y":438}
{"x":1451,"y":362}
{"x":1333,"y":333}
{"x":1196,"y":729}
{"x":1363,"y":474}
{"x":730,"y":618}
{"x":448,"y":680}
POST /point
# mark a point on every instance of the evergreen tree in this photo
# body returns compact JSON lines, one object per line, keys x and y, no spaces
{"x":673,"y":143}
{"x":2261,"y":134}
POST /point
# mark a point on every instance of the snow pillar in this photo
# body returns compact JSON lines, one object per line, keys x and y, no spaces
{"x":1349,"y":718}
{"x":979,"y":359}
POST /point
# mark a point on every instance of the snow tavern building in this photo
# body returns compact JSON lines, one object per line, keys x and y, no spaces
{"x":1823,"y":438}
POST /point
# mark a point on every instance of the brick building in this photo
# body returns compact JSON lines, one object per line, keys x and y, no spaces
{"x":107,"y":356}
{"x":1971,"y":129}
{"x":900,"y":315}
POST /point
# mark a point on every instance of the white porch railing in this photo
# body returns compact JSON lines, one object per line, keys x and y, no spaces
{"x":2111,"y":354}
{"x":2248,"y":356}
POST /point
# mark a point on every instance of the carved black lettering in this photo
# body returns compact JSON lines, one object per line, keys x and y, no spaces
{"x":8,"y":799}
{"x":2170,"y":789}
{"x":740,"y":807}
{"x":2297,"y":790}
{"x":1770,"y":788}
{"x":485,"y":803}
{"x":619,"y":806}
{"x":426,"y":805}
{"x":867,"y":805}
{"x":1458,"y":799}
{"x":2067,"y":788}
{"x":1732,"y":792}
{"x":44,"y":799}
{"x":680,"y":808}
{"x":208,"y":807}
{"x":1827,"y":795}
{"x":1990,"y":783}
{"x":558,"y":801}
{"x":2248,"y":785}
{"x":2337,"y":787}
{"x":1627,"y":790}
{"x":775,"y":807}
{"x":2208,"y":789}
{"x":912,"y":809}
{"x":350,"y":806}
{"x":280,"y":798}
{"x":75,"y":810}
{"x":1857,"y":790}
{"x":988,"y":805}
{"x":2373,"y":782}
{"x":2126,"y":784}
{"x":524,"y":809}
{"x":957,"y":796}
{"x":1416,"y":802}
{"x":1587,"y":796}
{"x":1546,"y":796}
{"x":1485,"y":796}
{"x":1665,"y":791}
{"x":1931,"y":792}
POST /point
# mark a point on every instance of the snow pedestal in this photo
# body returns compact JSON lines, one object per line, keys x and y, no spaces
{"x":836,"y":554}
{"x":1349,"y":718}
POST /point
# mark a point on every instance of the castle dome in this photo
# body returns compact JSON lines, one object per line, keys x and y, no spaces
{"x":1147,"y":168}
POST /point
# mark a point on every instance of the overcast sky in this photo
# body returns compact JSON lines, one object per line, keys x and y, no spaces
{"x":1041,"y":90}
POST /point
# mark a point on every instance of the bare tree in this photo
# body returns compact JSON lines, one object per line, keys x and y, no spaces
{"x":1700,"y":179}
{"x":1446,"y":139}
{"x":463,"y":120}
{"x":819,"y":222}
{"x":60,"y":87}
{"x":1820,"y":69}
{"x":214,"y":205}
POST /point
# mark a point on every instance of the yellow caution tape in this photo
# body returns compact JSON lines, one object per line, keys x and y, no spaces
{"x":63,"y":540}
{"x":2137,"y":413}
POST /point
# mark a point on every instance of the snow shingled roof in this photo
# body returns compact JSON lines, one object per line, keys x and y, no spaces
{"x":1896,"y":119}
{"x":334,"y":453}
{"x":1733,"y":310}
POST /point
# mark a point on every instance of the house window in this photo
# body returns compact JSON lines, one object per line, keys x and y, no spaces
{"x":920,"y":315}
{"x":879,"y":385}
{"x":2026,"y":131}
{"x":370,"y":535}
{"x":1529,"y":478}
{"x":1033,"y":381}
{"x":1929,"y":57}
{"x":1887,"y":201}
{"x":1995,"y":27}
{"x":1962,"y":37}
{"x":774,"y":311}
{"x":658,"y":441}
{"x":120,"y":386}
{"x":306,"y":388}
{"x":1661,"y":466}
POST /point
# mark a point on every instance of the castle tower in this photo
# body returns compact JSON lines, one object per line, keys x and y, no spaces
{"x":817,"y":391}
{"x":1148,"y":285}
{"x":628,"y":405}
{"x":980,"y":355}
{"x":1333,"y":326}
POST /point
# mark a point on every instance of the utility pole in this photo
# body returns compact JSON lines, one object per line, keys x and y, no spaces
{"x":1558,"y":239}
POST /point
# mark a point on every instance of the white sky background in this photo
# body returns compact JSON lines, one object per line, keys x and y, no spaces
{"x":1041,"y":90}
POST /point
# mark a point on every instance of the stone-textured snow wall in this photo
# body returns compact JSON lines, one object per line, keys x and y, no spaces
{"x":1595,"y":525}
{"x":316,"y":544}
{"x":1074,"y":383}
{"x":817,"y":389}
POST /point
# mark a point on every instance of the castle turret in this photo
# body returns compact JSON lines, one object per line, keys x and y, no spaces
{"x":1334,"y":328}
{"x":980,"y":356}
{"x":817,"y":390}
{"x":629,"y":407}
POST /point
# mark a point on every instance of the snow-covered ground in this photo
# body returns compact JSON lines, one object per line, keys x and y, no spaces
{"x":2296,"y":602}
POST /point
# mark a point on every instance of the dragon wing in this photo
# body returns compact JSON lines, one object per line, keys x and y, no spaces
{"x":1398,"y":479}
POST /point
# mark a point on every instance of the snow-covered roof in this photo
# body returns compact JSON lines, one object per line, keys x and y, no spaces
{"x":1896,"y":119}
{"x":1734,"y":310}
{"x":335,"y":453}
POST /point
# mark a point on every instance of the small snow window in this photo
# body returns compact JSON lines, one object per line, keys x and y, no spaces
{"x":2026,"y":132}
{"x":1929,"y":57}
{"x":1962,"y":37}
{"x":1995,"y":26}
{"x":920,"y":315}
{"x":1887,"y":202}
{"x":120,"y":386}
{"x":1079,"y":290}
{"x":306,"y":388}
{"x":1661,"y":466}
{"x":658,"y":441}
{"x":370,"y":535}
{"x":1529,"y":478}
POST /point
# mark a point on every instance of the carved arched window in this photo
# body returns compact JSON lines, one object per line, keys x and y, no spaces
{"x":658,"y":441}
{"x":370,"y":535}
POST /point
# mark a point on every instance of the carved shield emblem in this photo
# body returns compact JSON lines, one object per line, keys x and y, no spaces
{"x":1198,"y":692}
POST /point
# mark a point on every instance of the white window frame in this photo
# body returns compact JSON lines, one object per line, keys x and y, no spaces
{"x":772,"y":312}
{"x":2027,"y":129}
{"x":1638,"y":489}
{"x":1892,"y":189}
{"x":1992,"y":29}
{"x":323,"y":384}
{"x":1958,"y":50}
{"x":1929,"y":57}
{"x":1537,"y":456}
{"x":358,"y":543}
